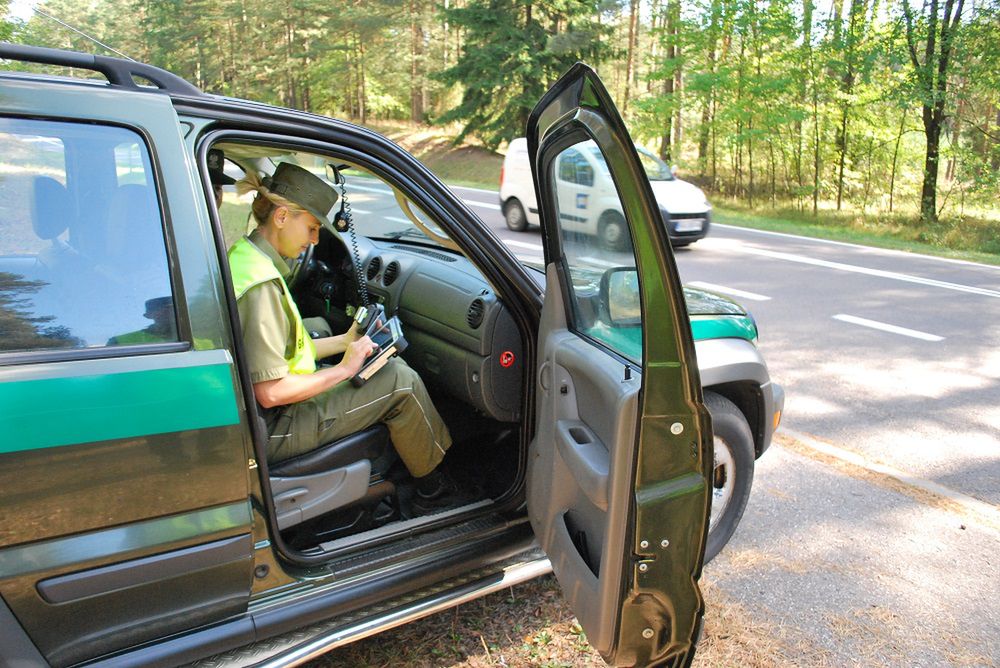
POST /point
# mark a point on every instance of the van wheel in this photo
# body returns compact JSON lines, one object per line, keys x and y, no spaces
{"x":612,"y":231}
{"x":514,"y":214}
{"x":732,"y":472}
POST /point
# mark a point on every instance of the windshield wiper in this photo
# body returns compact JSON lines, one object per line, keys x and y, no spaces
{"x":409,"y":232}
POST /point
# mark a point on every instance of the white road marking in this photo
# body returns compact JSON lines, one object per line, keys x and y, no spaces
{"x":478,"y":190}
{"x":969,"y":502}
{"x":874,"y":324}
{"x":840,"y":266}
{"x":523,"y":244}
{"x":354,"y":209}
{"x":482,"y":205}
{"x":831,"y":242}
{"x":752,"y":296}
{"x":399,"y":220}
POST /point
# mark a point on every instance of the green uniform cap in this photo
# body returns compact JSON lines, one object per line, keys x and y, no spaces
{"x":305,"y":189}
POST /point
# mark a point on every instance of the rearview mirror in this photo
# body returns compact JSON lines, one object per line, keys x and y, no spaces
{"x":620,"y":296}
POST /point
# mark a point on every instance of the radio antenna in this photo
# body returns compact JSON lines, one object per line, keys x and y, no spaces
{"x":81,"y":33}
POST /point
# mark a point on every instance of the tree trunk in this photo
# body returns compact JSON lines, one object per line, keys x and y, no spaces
{"x":842,"y":158}
{"x":932,"y":80}
{"x":995,"y":159}
{"x":669,"y":89}
{"x":928,"y":191}
{"x":416,"y":55}
{"x":804,"y":73}
{"x":633,"y":22}
{"x":816,"y":153}
{"x":895,"y":159}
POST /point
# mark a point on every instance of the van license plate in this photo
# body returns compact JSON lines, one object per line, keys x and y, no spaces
{"x":689,"y":225}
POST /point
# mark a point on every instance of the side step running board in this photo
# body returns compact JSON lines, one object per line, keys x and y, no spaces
{"x":297,"y":647}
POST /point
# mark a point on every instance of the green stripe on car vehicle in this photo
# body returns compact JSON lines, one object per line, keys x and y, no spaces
{"x":52,"y":412}
{"x":628,"y":340}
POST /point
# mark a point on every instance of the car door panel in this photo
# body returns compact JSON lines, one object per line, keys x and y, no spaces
{"x":619,"y":466}
{"x":573,"y":525}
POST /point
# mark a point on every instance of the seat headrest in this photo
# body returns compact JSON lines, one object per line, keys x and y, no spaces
{"x":51,"y":209}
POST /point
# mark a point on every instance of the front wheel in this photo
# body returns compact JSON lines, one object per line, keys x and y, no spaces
{"x":732,"y":474}
{"x":513,"y":213}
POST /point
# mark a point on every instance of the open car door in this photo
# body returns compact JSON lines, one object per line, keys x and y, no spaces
{"x":618,"y":471}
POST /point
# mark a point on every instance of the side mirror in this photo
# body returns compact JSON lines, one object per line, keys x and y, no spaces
{"x":620,"y":296}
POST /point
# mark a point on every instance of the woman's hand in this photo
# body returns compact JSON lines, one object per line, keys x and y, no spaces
{"x":356,"y":354}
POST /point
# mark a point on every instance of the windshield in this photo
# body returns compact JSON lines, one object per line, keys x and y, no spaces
{"x":656,"y":169}
{"x":373,"y":205}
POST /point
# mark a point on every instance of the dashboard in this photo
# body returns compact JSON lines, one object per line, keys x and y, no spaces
{"x":462,"y":339}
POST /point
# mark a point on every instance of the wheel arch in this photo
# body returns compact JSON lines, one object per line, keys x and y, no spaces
{"x":749,"y":399}
{"x":735,"y":369}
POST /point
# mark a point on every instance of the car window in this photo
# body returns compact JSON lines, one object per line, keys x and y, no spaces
{"x":574,"y":168}
{"x":83,"y":262}
{"x":595,"y":260}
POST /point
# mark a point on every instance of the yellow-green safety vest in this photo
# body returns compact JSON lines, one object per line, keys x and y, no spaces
{"x":250,"y":266}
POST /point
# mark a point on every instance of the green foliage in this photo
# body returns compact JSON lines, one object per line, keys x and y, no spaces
{"x":514,"y":50}
{"x":758,"y":100}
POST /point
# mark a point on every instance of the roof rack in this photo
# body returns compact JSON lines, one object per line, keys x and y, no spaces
{"x":119,"y":72}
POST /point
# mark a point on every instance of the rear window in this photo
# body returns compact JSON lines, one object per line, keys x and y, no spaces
{"x":83,"y":261}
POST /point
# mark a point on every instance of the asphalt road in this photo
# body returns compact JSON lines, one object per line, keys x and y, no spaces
{"x":891,"y":355}
{"x":872,"y":536}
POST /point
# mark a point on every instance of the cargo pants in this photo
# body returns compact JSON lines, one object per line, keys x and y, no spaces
{"x":395,"y":395}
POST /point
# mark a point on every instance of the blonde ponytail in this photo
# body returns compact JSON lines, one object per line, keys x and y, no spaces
{"x":265,"y":202}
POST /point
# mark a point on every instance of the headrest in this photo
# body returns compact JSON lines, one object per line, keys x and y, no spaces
{"x":51,"y":210}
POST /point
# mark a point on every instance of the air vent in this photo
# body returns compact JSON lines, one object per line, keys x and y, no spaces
{"x":374,"y":266}
{"x":474,"y":317}
{"x":391,"y":273}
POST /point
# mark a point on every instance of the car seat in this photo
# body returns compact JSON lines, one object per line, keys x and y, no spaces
{"x":346,"y":474}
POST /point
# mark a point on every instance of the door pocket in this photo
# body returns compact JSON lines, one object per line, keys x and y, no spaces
{"x":586,"y":457}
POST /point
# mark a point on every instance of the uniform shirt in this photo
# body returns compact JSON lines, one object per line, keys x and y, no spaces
{"x":268,"y":329}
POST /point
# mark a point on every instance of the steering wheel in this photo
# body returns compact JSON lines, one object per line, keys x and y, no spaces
{"x":304,"y":268}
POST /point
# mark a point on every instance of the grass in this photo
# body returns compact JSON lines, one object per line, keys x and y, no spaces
{"x":530,"y":625}
{"x":972,"y":237}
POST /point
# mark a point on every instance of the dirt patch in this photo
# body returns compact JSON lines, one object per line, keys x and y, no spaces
{"x":529,"y":625}
{"x":469,"y":163}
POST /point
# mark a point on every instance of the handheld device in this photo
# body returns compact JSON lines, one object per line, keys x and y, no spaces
{"x":385,"y":333}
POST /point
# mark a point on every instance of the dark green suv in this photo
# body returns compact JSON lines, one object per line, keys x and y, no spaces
{"x":141,"y":523}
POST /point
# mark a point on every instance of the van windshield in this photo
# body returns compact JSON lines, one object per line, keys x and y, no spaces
{"x":656,"y":169}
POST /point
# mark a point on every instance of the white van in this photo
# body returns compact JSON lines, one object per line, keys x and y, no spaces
{"x":586,"y":189}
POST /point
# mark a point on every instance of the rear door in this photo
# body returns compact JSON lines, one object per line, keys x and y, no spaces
{"x":618,"y":490}
{"x":123,"y":469}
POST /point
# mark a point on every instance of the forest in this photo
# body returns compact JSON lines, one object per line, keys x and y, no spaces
{"x":872,"y":108}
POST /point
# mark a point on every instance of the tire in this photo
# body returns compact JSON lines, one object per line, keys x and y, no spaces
{"x":513,"y":213}
{"x":612,"y":231}
{"x":733,"y":471}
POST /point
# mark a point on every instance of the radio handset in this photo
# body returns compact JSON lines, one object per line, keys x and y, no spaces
{"x":385,"y":333}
